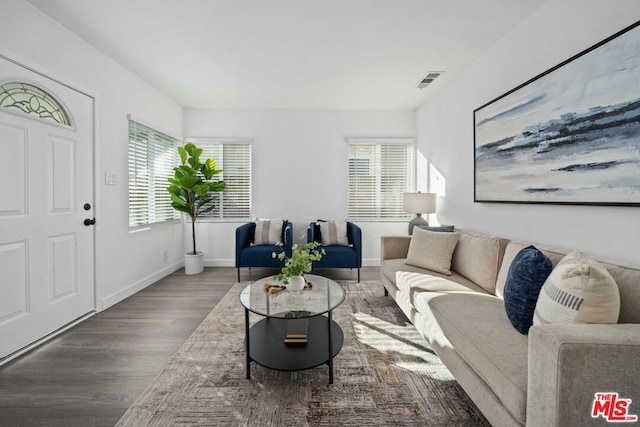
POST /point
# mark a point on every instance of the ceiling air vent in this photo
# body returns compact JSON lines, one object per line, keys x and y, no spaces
{"x":428,"y":79}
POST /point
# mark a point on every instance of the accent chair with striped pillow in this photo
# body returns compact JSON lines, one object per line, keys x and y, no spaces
{"x":341,"y":241}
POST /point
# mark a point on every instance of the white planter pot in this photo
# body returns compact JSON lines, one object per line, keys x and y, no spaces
{"x":194,"y":264}
{"x":296,"y":283}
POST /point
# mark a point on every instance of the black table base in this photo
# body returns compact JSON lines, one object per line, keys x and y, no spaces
{"x":266,"y":346}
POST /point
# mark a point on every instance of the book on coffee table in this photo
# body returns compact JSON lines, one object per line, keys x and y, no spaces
{"x":297,"y":330}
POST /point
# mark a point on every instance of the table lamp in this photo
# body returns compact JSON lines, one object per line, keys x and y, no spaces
{"x":419,"y":203}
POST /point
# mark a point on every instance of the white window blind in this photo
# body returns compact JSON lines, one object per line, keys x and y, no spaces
{"x":379,"y":172}
{"x":234,"y":158}
{"x":152,"y":156}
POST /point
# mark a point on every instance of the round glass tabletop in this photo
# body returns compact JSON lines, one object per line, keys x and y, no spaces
{"x":323,"y":296}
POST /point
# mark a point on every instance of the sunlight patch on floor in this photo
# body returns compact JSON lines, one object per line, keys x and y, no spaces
{"x":403,"y":340}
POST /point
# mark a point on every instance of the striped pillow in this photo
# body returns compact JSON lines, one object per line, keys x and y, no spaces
{"x":268,"y":232}
{"x":578,"y":290}
{"x":333,"y":233}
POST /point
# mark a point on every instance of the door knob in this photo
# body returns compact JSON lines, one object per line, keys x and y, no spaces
{"x":89,"y":222}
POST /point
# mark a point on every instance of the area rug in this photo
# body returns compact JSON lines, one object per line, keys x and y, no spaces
{"x":386,"y":374}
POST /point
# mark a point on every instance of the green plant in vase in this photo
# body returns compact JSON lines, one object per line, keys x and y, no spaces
{"x":300,"y":262}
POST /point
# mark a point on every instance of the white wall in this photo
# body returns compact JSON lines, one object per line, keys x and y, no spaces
{"x":555,"y":32}
{"x":125,"y":262}
{"x":299,"y":167}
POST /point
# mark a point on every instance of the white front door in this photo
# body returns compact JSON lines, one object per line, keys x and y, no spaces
{"x":46,"y":173}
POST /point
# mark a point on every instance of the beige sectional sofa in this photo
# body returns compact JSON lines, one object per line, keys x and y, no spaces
{"x":546,"y":378}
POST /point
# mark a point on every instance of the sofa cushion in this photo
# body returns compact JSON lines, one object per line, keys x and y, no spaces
{"x":478,"y":258}
{"x":333,"y":233}
{"x":260,"y":256}
{"x":489,"y":344}
{"x":338,"y":256}
{"x":432,"y":250}
{"x":578,"y":290}
{"x":528,"y":272}
{"x":390,"y":267}
{"x":268,"y":232}
{"x":411,"y":284}
{"x":628,"y":280}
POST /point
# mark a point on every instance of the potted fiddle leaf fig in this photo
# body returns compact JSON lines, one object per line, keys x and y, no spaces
{"x":191,"y":191}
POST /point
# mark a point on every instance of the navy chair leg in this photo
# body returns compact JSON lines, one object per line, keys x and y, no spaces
{"x":238,"y":274}
{"x":358,"y":275}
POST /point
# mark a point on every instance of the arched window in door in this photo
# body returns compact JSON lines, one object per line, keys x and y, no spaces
{"x":34,"y":101}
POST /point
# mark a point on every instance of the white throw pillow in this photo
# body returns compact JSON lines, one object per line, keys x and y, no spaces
{"x":432,"y":250}
{"x":268,"y":232}
{"x":333,"y":232}
{"x":578,"y":290}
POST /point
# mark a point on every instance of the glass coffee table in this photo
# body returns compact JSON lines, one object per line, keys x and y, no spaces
{"x":312,"y":339}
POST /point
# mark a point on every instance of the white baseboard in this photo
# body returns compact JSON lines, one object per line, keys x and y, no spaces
{"x":219,"y":262}
{"x":139,"y":285}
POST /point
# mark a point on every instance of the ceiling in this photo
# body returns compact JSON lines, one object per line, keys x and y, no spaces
{"x":291,"y":54}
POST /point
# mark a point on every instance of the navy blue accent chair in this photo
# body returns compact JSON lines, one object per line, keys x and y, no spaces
{"x":248,"y":255}
{"x":339,"y":256}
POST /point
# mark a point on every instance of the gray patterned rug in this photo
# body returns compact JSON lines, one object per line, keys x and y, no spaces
{"x":385,"y":374}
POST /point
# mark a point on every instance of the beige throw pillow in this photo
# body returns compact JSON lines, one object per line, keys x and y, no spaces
{"x":578,"y":290}
{"x":477,"y":258}
{"x":432,"y":250}
{"x":333,"y":232}
{"x":268,"y":232}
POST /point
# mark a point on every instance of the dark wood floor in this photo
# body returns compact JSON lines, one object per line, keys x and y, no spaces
{"x":91,"y":374}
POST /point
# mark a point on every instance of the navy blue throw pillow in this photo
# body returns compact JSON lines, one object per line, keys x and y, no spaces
{"x":527,"y":273}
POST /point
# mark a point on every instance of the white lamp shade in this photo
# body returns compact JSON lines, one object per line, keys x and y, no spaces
{"x":419,"y":202}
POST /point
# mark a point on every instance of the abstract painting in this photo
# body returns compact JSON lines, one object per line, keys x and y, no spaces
{"x":570,"y":135}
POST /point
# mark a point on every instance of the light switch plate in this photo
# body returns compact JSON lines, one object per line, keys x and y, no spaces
{"x":109,"y":178}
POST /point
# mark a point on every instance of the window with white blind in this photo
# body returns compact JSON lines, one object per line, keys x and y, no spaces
{"x":380,"y":170}
{"x":234,"y":158}
{"x":152,"y":156}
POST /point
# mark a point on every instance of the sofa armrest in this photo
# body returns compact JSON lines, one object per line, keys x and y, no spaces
{"x":244,"y":237}
{"x":312,"y":236}
{"x":394,"y":247}
{"x":287,"y":233}
{"x":569,"y":364}
{"x":354,"y":233}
